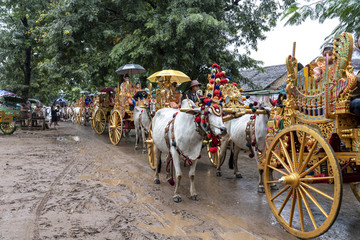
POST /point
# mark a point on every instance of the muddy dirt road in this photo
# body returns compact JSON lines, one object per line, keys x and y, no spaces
{"x":70,"y":183}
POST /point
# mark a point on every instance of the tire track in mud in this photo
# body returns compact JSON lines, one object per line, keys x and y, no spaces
{"x":47,"y":196}
{"x":34,"y":225}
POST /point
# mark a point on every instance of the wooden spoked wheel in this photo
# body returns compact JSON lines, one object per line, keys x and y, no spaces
{"x":99,"y":121}
{"x":78,"y":117}
{"x":355,"y":187}
{"x":305,"y":205}
{"x":151,"y":151}
{"x":115,"y":127}
{"x":214,"y":157}
{"x":92,"y":121}
{"x":8,"y":128}
{"x":92,"y":118}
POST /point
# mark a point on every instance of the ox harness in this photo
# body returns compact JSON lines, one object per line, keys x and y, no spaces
{"x":250,"y":136}
{"x":170,"y":163}
{"x":204,"y":131}
{"x":141,"y":124}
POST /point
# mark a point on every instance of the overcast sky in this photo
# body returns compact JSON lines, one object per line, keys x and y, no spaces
{"x":308,"y":36}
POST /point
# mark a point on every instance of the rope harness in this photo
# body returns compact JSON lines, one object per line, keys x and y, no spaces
{"x":250,"y":136}
{"x":170,"y":163}
{"x":142,"y":125}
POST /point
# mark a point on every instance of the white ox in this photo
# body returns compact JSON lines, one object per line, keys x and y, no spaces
{"x":69,"y":113}
{"x":187,"y":139}
{"x":237,"y":135}
{"x":76,"y":111}
{"x":142,"y":121}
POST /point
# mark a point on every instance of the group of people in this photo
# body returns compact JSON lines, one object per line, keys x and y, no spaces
{"x":130,"y":95}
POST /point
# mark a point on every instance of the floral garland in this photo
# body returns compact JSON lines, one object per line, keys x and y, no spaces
{"x":203,"y":119}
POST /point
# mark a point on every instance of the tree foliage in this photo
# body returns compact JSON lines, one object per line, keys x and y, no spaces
{"x":347,"y":11}
{"x":78,"y":44}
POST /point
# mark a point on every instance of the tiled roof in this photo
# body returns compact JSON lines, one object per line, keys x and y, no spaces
{"x":263,"y":79}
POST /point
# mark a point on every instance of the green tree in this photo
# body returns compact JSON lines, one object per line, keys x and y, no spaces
{"x":186,"y":35}
{"x":191,"y":35}
{"x":80,"y":43}
{"x":20,"y":44}
{"x":347,"y":11}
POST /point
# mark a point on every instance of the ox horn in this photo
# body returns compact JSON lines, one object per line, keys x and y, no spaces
{"x":189,"y":111}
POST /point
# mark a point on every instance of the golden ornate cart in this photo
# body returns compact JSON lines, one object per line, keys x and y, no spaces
{"x":312,"y":145}
{"x":121,"y":117}
{"x":102,"y":113}
{"x":84,"y":113}
{"x":163,"y":93}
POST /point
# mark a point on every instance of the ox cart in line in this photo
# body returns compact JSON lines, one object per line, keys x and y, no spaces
{"x":165,"y":78}
{"x":102,"y":107}
{"x":312,"y":144}
{"x":84,"y":112}
{"x":121,"y":118}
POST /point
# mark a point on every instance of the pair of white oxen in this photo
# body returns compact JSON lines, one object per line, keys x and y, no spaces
{"x":186,"y":141}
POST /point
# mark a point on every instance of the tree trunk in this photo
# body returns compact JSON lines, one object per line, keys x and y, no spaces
{"x":27,"y":75}
{"x":27,"y":68}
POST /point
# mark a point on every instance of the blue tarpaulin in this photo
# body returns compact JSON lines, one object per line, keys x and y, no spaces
{"x":10,"y":97}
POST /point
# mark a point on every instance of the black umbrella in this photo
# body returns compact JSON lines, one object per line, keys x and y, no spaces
{"x":130,"y":69}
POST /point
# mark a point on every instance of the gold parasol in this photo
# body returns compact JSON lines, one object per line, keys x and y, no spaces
{"x":172,"y":75}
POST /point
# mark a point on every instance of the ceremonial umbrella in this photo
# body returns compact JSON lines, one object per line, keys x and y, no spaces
{"x":106,"y":89}
{"x":59,"y":100}
{"x":173,"y":75}
{"x":130,"y":69}
{"x":84,"y":91}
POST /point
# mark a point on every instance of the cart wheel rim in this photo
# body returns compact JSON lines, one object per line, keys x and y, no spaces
{"x":317,"y":204}
{"x":151,"y":151}
{"x":8,"y":128}
{"x":100,"y":121}
{"x":115,"y":127}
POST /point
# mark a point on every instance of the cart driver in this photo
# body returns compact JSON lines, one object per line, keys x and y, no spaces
{"x":192,"y":92}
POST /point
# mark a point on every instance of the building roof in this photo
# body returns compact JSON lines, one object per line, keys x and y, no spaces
{"x":263,"y":79}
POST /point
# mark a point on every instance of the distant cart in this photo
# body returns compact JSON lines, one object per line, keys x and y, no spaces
{"x":33,"y":115}
{"x":9,"y":111}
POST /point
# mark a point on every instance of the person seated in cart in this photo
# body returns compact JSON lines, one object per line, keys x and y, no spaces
{"x":175,"y":96}
{"x":320,"y":70}
{"x":137,"y":88}
{"x":192,"y":93}
{"x":126,"y":92}
{"x":88,"y":101}
{"x":355,"y":61}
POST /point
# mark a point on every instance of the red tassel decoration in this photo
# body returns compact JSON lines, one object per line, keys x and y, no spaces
{"x":213,"y":150}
